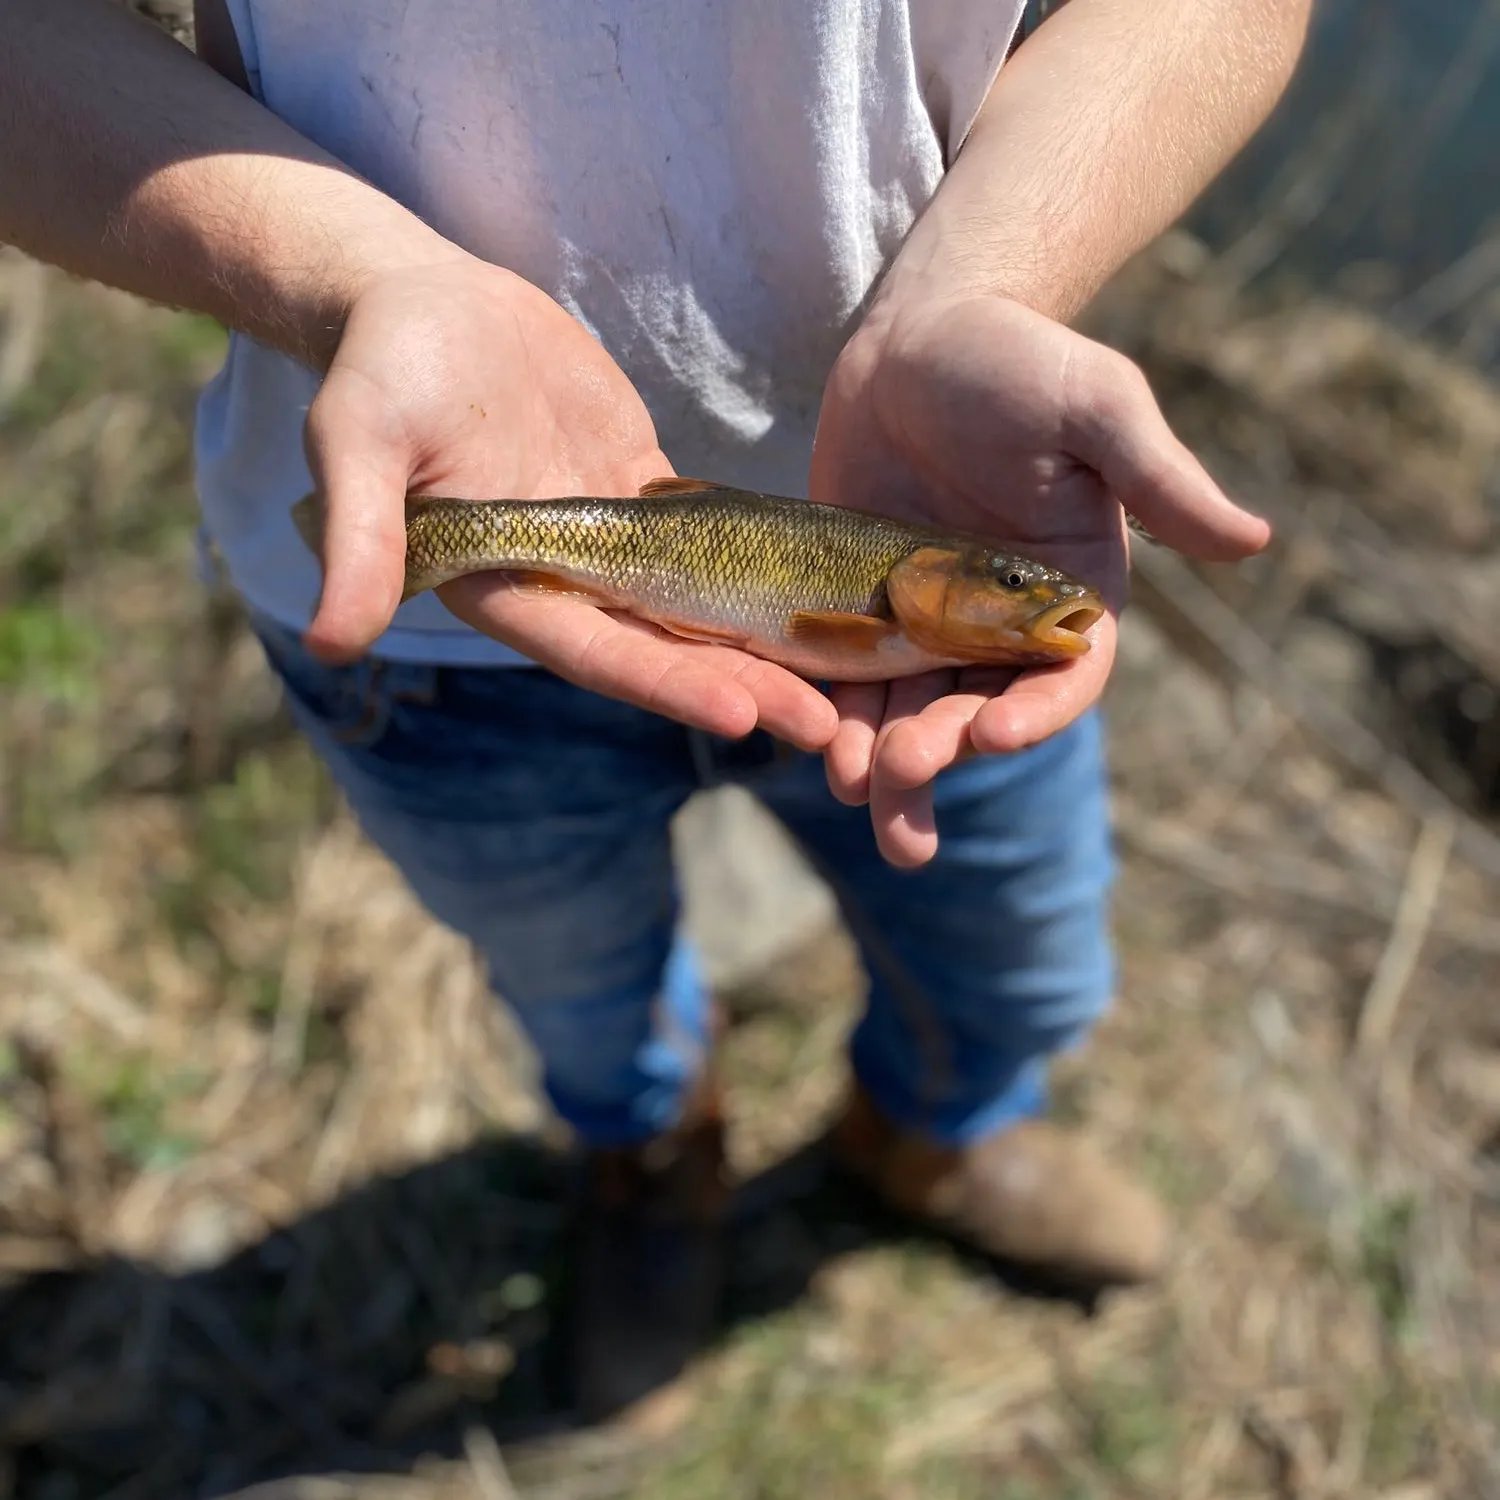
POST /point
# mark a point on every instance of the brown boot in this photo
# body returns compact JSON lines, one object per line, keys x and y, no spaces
{"x":1030,"y":1194}
{"x":649,"y":1260}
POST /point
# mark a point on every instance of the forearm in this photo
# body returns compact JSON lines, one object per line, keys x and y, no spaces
{"x":126,"y":160}
{"x":1098,"y":134}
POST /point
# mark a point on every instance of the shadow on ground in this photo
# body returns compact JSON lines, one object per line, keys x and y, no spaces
{"x":368,"y":1334}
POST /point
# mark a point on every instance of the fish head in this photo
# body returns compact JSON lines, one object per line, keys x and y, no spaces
{"x":979,"y":603}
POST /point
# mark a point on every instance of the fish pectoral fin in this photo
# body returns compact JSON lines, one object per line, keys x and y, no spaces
{"x":708,"y":633}
{"x":837,"y":628}
{"x":675,"y":485}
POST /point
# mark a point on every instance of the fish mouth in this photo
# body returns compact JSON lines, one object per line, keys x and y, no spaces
{"x":1062,"y":627}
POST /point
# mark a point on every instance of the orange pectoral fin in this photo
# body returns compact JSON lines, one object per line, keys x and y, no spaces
{"x":677,"y":486}
{"x":706,"y":633}
{"x":832,"y":627}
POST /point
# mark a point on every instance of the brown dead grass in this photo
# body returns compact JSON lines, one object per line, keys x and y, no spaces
{"x":279,"y":1207}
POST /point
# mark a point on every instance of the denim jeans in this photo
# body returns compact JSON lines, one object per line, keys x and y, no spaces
{"x":533,"y":817}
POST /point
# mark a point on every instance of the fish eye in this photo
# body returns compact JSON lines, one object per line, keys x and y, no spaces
{"x":1008,"y":573}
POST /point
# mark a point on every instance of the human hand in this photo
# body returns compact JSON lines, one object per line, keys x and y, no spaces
{"x":978,"y":414}
{"x":455,"y":377}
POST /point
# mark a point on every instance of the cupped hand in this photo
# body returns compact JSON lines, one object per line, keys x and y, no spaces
{"x":982,"y":415}
{"x":456,"y":377}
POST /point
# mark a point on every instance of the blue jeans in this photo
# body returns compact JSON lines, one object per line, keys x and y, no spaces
{"x":533,"y":817}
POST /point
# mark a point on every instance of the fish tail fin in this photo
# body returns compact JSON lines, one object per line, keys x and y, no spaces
{"x":307,"y":517}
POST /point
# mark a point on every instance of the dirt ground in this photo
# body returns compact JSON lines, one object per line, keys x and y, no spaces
{"x":280,"y":1209}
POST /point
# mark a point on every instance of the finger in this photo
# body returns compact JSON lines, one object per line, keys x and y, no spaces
{"x":360,"y":467}
{"x":713,"y":688}
{"x":917,"y":749}
{"x":902,"y":816}
{"x":861,"y":708}
{"x":1039,"y":704}
{"x":1114,"y":425}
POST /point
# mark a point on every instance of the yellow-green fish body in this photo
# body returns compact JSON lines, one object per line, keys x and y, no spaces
{"x":826,"y":591}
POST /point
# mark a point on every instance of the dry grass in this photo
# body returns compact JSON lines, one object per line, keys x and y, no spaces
{"x":278,"y":1205}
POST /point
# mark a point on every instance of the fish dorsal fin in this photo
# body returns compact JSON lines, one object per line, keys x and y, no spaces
{"x":676,"y":485}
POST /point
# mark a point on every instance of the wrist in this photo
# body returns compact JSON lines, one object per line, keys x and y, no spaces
{"x":944,"y":262}
{"x":354,"y":240}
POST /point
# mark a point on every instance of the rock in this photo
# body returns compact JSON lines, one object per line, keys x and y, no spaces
{"x":749,"y":895}
{"x":1316,"y":1172}
{"x":207,"y":1232}
{"x":1331,"y":660}
{"x":1156,"y":679}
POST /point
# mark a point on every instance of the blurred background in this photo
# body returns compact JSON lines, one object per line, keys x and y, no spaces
{"x":279,"y":1210}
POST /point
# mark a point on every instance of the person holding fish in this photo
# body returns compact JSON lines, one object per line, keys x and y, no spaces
{"x":498,"y":251}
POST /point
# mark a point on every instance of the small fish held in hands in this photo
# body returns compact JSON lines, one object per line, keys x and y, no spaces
{"x":828,"y":592}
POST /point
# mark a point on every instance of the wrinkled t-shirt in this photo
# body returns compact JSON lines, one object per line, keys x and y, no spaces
{"x":712,"y":187}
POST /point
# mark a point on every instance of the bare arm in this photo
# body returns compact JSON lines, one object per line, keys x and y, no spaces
{"x":964,"y":400}
{"x":1106,"y":125}
{"x":125,"y":159}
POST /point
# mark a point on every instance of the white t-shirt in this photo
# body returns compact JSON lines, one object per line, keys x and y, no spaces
{"x":710,"y":186}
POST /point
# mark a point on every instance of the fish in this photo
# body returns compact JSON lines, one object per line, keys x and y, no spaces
{"x":830,"y":592}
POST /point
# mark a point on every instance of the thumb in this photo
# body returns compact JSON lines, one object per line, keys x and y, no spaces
{"x":1118,"y":430}
{"x":361,"y":467}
